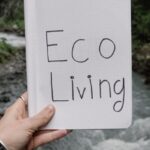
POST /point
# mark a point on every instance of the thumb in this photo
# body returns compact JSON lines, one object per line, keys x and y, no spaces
{"x":42,"y":118}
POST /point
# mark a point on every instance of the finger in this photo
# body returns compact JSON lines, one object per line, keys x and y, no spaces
{"x":45,"y":131}
{"x":46,"y":137}
{"x":22,"y":101}
{"x":24,"y":98}
{"x":18,"y":108}
{"x":49,"y":130}
{"x":41,"y":119}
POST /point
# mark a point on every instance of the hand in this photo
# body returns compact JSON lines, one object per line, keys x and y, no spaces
{"x":19,"y":132}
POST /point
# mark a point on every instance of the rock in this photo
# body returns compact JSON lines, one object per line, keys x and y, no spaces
{"x":5,"y":99}
{"x":15,"y":27}
{"x":12,"y":80}
{"x":141,"y":62}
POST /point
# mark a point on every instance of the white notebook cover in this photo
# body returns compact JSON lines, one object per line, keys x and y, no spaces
{"x":79,"y":60}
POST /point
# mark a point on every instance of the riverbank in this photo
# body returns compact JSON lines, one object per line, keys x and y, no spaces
{"x":12,"y":69}
{"x":12,"y":79}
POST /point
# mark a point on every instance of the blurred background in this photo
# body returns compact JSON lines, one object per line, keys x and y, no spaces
{"x":13,"y":81}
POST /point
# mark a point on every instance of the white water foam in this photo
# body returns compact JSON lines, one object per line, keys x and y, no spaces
{"x":114,"y":144}
{"x":13,"y":40}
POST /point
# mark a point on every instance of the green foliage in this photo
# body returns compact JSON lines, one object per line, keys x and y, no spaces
{"x":12,"y":25}
{"x":140,"y":23}
{"x":11,"y":16}
{"x":6,"y":51}
{"x":12,"y":19}
{"x":141,"y":37}
{"x":11,"y":10}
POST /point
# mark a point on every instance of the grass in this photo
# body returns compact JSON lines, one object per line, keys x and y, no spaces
{"x":6,"y":51}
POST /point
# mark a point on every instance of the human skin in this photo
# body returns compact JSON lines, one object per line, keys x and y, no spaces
{"x":19,"y":132}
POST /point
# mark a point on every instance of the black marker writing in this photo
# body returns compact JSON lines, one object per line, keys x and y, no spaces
{"x":72,"y":84}
{"x":91,"y":86}
{"x":83,"y":92}
{"x":103,"y":44}
{"x":106,"y":91}
{"x":101,"y":82}
{"x":118,"y":106}
{"x":52,"y":45}
{"x":52,"y":90}
{"x":111,"y":53}
{"x":72,"y":53}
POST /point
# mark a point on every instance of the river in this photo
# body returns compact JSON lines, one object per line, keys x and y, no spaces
{"x":137,"y":137}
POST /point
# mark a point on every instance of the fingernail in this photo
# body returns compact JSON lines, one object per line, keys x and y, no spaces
{"x":65,"y":132}
{"x":69,"y":131}
{"x":51,"y":108}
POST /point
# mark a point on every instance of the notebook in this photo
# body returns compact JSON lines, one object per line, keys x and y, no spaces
{"x":79,"y":60}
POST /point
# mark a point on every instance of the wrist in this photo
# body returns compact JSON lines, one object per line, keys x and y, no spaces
{"x":2,"y":146}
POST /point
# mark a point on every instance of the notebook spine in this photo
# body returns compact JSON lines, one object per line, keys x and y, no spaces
{"x":30,"y":33}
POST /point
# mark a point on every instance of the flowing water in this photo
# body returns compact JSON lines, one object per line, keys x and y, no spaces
{"x":13,"y":39}
{"x":137,"y":137}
